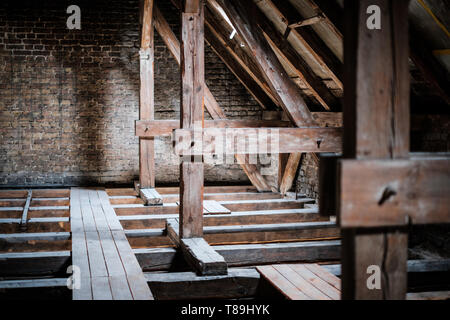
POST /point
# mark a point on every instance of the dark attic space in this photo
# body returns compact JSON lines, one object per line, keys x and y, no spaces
{"x":224,"y":150}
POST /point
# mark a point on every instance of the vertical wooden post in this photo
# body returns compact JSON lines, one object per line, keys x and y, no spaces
{"x":376,"y":122}
{"x":147,"y":103}
{"x":192,"y":105}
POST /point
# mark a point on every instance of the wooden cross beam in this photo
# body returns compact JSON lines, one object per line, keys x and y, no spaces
{"x":257,"y":140}
{"x":380,"y":193}
{"x":153,"y":128}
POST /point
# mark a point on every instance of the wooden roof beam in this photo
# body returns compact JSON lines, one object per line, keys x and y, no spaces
{"x":286,"y":91}
{"x":329,"y":63}
{"x":169,"y":38}
{"x":318,"y":89}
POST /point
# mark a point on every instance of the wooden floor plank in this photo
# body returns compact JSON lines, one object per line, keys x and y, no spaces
{"x":297,"y":281}
{"x":101,"y":290}
{"x":281,"y":283}
{"x":300,"y":283}
{"x":110,"y":269}
{"x":319,"y":283}
{"x":113,"y":222}
{"x":79,"y":248}
{"x":95,"y":253}
{"x":325,"y":275}
{"x":213,"y":207}
{"x":119,"y":288}
{"x":136,"y":279}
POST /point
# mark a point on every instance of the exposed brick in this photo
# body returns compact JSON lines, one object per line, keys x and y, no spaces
{"x":69,"y":98}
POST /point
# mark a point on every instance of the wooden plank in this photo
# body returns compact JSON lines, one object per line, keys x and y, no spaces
{"x":147,"y":102}
{"x":228,"y":196}
{"x":324,"y":275}
{"x":136,"y":279}
{"x":153,"y":128}
{"x":236,"y":218}
{"x":213,"y":207}
{"x":248,"y":233}
{"x":23,"y":222}
{"x":101,"y":223}
{"x":258,"y":140}
{"x":5,"y":194}
{"x":287,"y":93}
{"x":270,"y":204}
{"x":418,"y":192}
{"x":301,"y":283}
{"x":119,"y":288}
{"x":281,"y":283}
{"x":101,"y":289}
{"x":96,"y":260}
{"x":269,"y":227}
{"x":111,"y":255}
{"x":377,"y":122}
{"x":202,"y":257}
{"x":79,"y":247}
{"x":150,"y":196}
{"x":234,"y":206}
{"x":154,"y":259}
{"x":112,"y":219}
{"x":14,"y":238}
{"x":238,"y":283}
{"x":86,"y":212}
{"x":316,"y":281}
{"x":210,"y":189}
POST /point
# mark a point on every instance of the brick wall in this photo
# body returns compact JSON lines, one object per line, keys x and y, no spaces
{"x":69,"y":98}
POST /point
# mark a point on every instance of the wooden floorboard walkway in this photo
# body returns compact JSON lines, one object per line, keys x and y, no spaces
{"x":302,"y":281}
{"x":108,"y":268}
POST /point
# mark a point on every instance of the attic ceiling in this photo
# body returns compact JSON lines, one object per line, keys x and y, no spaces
{"x":312,"y":55}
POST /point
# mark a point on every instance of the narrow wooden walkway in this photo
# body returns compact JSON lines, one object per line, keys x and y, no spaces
{"x":303,"y":281}
{"x":108,"y":268}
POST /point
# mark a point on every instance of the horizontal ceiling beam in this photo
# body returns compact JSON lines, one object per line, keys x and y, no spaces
{"x":375,"y":193}
{"x":215,"y":141}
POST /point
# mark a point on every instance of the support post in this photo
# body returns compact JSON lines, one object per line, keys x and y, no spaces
{"x":376,"y":122}
{"x":192,"y":106}
{"x":146,"y":102}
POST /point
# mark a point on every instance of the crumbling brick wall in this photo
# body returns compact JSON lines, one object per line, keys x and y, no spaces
{"x":69,"y":98}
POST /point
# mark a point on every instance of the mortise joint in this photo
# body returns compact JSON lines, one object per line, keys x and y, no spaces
{"x":387,"y":194}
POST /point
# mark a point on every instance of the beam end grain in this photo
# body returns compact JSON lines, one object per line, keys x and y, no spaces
{"x":202,"y":257}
